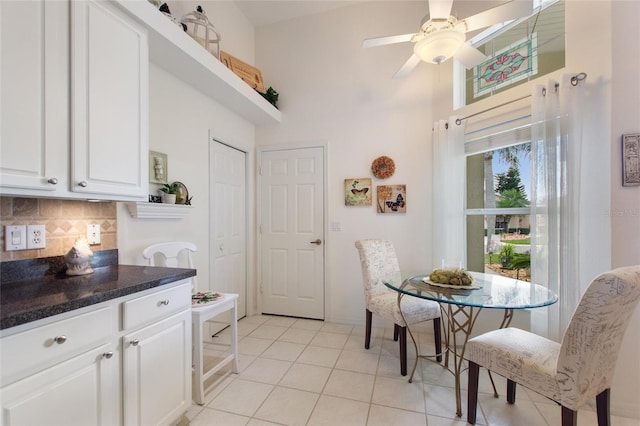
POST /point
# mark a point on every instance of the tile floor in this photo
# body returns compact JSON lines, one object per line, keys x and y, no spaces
{"x":306,"y":372}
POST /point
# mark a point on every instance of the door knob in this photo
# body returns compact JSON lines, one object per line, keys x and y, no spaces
{"x":317,"y":242}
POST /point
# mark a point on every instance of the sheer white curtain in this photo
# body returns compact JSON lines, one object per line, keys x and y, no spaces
{"x":556,"y":150}
{"x":449,"y":171}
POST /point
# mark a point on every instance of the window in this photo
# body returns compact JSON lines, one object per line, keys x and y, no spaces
{"x":517,"y":52}
{"x":497,"y":211}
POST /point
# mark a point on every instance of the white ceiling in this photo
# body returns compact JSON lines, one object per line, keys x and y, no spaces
{"x":265,"y":12}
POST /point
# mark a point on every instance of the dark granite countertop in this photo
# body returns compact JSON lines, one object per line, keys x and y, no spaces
{"x":37,"y":288}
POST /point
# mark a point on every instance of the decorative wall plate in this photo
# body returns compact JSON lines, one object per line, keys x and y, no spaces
{"x":383,"y":167}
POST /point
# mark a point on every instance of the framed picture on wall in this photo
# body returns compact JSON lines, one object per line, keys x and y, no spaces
{"x":631,"y":159}
{"x":357,"y":192}
{"x":158,"y":167}
{"x":392,"y":198}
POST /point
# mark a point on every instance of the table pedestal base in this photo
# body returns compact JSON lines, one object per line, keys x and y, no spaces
{"x":459,"y":320}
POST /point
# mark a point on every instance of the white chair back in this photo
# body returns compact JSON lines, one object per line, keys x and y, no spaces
{"x":175,"y":254}
{"x":592,"y":341}
{"x":378,"y":260}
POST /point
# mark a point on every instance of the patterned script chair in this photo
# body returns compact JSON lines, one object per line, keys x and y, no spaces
{"x":378,"y":260}
{"x":570,"y":372}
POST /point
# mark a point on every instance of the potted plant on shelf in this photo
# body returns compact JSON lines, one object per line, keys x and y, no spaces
{"x":169,"y":192}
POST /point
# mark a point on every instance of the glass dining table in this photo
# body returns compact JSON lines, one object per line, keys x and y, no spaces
{"x":460,"y":306}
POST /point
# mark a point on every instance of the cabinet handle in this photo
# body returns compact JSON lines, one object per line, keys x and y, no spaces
{"x":82,"y":183}
{"x":107,"y":355}
{"x":134,"y":342}
{"x":164,"y":302}
{"x":53,"y":181}
{"x":60,"y":339}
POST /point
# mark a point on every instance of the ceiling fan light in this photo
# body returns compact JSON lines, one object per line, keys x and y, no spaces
{"x":439,"y":46}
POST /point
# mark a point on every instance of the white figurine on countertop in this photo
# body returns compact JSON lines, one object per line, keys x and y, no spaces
{"x":78,"y":259}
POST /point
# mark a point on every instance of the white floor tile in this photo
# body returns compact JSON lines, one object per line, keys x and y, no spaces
{"x":385,"y":416}
{"x":306,"y":377}
{"x":265,"y":370}
{"x":308,"y":324}
{"x":308,"y":372}
{"x":266,"y":331}
{"x":317,"y":355}
{"x":297,"y":335}
{"x":361,"y":362}
{"x":280,"y":321}
{"x":284,"y":351}
{"x":208,"y":417}
{"x":253,"y":346}
{"x":336,"y":328}
{"x":329,"y":340}
{"x":331,"y":411}
{"x":351,"y":385}
{"x":398,"y":393}
{"x":288,"y":406}
{"x":241,"y":397}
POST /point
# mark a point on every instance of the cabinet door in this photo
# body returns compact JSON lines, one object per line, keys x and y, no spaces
{"x":157,"y":372}
{"x":34,"y":87}
{"x":109,"y":103}
{"x":81,"y":391}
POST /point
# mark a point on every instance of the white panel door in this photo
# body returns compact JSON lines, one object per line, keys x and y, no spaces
{"x":228,"y":223}
{"x":292,"y":232}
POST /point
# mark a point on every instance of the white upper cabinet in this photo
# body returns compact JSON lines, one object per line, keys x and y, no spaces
{"x":34,"y":87}
{"x":109,"y":104}
{"x":74,"y":111}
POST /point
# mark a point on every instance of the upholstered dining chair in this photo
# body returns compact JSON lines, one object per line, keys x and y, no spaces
{"x":378,"y":260}
{"x":570,"y":372}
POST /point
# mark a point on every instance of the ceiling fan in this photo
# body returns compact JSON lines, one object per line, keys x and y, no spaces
{"x":442,"y":35}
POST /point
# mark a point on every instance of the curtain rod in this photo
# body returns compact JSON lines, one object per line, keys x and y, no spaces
{"x":574,"y":82}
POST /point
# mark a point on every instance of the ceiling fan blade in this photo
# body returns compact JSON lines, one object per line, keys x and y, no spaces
{"x":381,"y":41}
{"x":469,"y":55}
{"x":440,"y":9}
{"x":505,"y":12}
{"x":408,"y":66}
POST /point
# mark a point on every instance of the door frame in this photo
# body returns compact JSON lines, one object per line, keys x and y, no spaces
{"x":325,"y":222}
{"x":249,"y":176}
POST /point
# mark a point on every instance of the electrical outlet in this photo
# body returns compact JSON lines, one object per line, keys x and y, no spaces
{"x":93,"y":234}
{"x":36,"y":237}
{"x":15,"y":237}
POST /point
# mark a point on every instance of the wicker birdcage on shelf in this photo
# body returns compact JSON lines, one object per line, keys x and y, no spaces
{"x":202,"y":30}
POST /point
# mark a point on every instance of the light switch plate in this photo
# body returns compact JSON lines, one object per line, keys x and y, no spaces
{"x":93,"y":234}
{"x":15,"y":237}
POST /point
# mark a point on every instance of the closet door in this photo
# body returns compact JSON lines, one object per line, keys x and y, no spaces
{"x":228,"y":222}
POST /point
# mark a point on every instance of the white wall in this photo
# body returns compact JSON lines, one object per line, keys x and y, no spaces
{"x":624,"y":211}
{"x":180,"y":119}
{"x":611,"y":232}
{"x":333,"y":90}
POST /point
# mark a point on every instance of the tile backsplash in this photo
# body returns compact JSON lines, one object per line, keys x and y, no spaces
{"x":64,"y":220}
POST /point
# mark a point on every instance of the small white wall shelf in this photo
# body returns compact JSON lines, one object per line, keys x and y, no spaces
{"x":173,"y":50}
{"x":143,"y":210}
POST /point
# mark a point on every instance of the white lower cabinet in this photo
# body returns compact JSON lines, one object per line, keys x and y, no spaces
{"x":79,"y":391}
{"x":157,"y":372}
{"x":125,"y":361}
